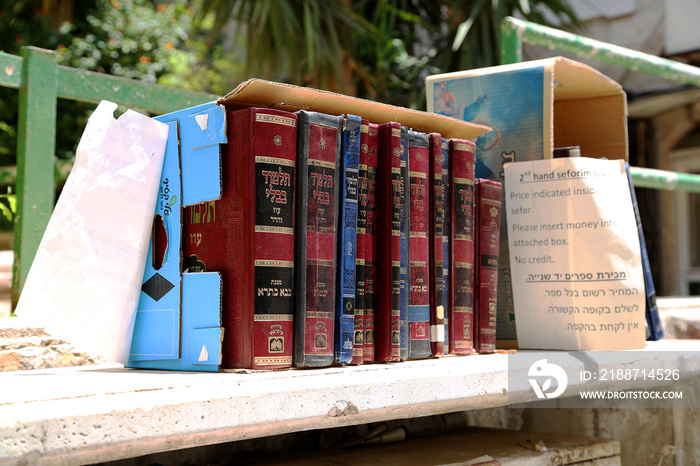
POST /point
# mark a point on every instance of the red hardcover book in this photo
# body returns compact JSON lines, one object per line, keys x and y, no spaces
{"x":419,"y":245}
{"x":318,"y":159}
{"x":437,"y":225}
{"x":487,"y":219}
{"x":371,"y":242}
{"x":461,"y":274}
{"x":388,"y":267}
{"x":366,"y":237}
{"x":362,"y":203}
{"x":248,"y":236}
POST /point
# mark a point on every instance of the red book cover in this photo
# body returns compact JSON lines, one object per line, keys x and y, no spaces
{"x":359,"y":335}
{"x":437,"y":225}
{"x":371,"y":242}
{"x":388,"y":252}
{"x":248,"y":236}
{"x":366,"y":237}
{"x":419,"y":245}
{"x":318,"y":156}
{"x":461,"y":237}
{"x":487,"y":219}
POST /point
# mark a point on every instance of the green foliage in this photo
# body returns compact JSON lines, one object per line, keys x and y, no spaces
{"x":417,"y":38}
{"x":151,"y":40}
{"x":8,"y":208}
{"x":376,"y":49}
{"x":130,"y":38}
{"x":296,"y":41}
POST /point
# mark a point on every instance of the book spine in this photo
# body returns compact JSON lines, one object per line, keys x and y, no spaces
{"x":461,"y":204}
{"x":347,"y":241}
{"x":248,"y":236}
{"x":419,"y":246}
{"x":360,"y":261}
{"x":436,"y":225}
{"x":371,"y":242}
{"x":405,"y":270}
{"x":445,"y":146}
{"x":388,"y":266}
{"x":318,"y":156}
{"x":655,"y":330}
{"x":486,"y":247}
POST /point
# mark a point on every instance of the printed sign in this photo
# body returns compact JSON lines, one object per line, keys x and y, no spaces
{"x":574,"y":255}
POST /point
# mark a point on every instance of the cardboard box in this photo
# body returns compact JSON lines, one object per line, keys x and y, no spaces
{"x":261,"y":93}
{"x":178,"y":321}
{"x":531,"y":108}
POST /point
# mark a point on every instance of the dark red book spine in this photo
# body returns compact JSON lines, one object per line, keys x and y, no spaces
{"x":461,"y":274}
{"x":370,"y":243}
{"x":388,"y":267}
{"x":486,"y":246}
{"x":419,"y":245}
{"x":366,"y":224}
{"x":362,"y":204}
{"x":437,"y":225}
{"x":318,"y":156}
{"x":248,"y":236}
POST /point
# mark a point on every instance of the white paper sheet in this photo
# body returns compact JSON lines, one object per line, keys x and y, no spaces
{"x":84,"y":283}
{"x":574,"y":255}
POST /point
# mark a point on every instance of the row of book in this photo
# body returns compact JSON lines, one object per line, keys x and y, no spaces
{"x":342,"y":241}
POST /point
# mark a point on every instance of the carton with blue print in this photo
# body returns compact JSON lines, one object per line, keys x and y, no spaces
{"x":531,"y":108}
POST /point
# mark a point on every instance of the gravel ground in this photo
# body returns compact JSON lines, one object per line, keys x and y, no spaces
{"x":23,"y":348}
{"x":31,"y":348}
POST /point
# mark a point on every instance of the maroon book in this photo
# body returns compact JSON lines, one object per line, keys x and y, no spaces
{"x":362,"y":204}
{"x":366,"y":236}
{"x":371,"y":243}
{"x":461,"y":237}
{"x":487,"y":219}
{"x":419,"y":248}
{"x":437,"y":225}
{"x":248,"y":236}
{"x":388,"y":266}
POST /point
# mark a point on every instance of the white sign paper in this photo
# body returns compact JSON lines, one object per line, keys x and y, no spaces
{"x":85,"y":281}
{"x":574,"y":255}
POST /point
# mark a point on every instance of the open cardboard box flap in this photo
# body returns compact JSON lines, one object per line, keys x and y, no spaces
{"x":590,"y":110}
{"x":261,"y":93}
{"x":533,"y":107}
{"x":583,"y":107}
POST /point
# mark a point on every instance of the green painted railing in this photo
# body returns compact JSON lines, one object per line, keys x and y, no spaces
{"x":515,"y":33}
{"x":41,"y":81}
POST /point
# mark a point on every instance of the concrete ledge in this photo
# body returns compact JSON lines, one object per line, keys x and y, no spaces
{"x":102,"y":413}
{"x":105,"y":412}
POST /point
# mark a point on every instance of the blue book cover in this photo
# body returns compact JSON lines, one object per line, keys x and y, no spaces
{"x":347,"y":241}
{"x":655,"y":330}
{"x":446,"y":240}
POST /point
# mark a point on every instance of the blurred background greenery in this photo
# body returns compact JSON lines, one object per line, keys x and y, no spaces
{"x":380,"y":50}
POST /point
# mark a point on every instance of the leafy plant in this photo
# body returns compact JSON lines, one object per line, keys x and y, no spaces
{"x":376,"y":49}
{"x":8,"y":208}
{"x":152,"y":40}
